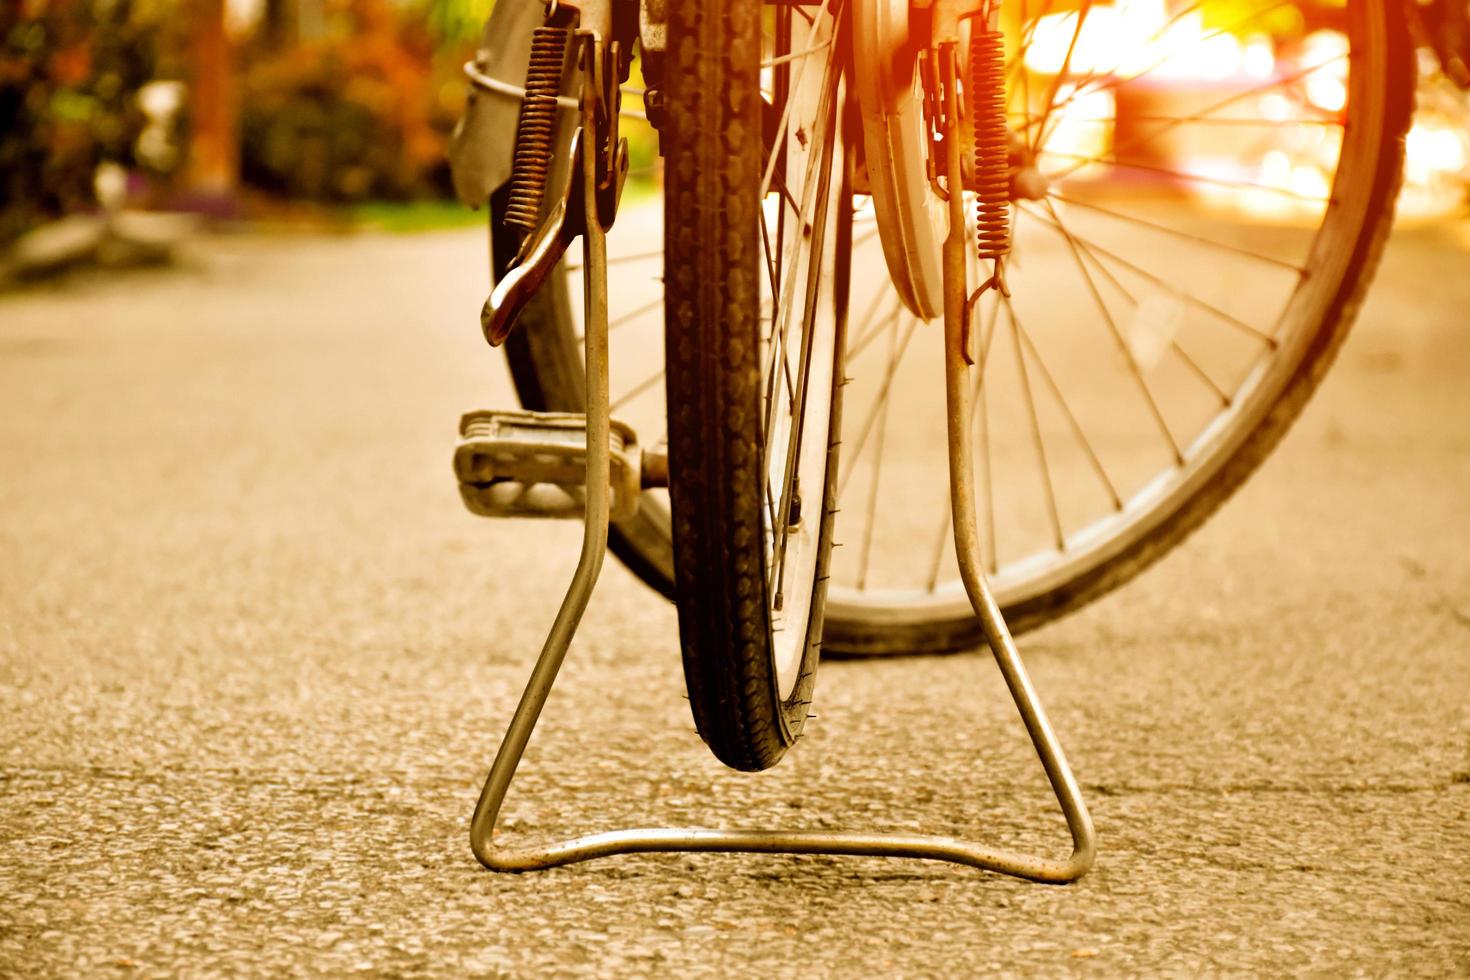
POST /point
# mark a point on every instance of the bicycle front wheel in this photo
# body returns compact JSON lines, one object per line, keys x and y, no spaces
{"x":753,"y":349}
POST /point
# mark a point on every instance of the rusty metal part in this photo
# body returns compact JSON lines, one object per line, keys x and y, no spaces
{"x":536,"y":131}
{"x":598,"y":142}
{"x":655,"y":466}
{"x":602,"y":104}
{"x":538,"y":260}
{"x":985,"y":88}
{"x":482,"y":147}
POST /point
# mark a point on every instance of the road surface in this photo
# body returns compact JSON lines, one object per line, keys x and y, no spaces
{"x":255,"y":658}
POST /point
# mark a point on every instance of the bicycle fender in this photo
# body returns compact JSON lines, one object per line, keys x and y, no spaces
{"x":482,"y":145}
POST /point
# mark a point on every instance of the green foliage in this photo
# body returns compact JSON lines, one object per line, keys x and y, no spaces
{"x":360,"y":112}
{"x":415,"y":216}
{"x":456,"y":22}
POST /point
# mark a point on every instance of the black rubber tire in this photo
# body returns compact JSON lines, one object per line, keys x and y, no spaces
{"x":712,"y":349}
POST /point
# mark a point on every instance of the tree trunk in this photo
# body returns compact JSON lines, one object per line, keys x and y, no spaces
{"x":214,"y":151}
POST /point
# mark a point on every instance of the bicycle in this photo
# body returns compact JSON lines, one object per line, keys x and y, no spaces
{"x":864,"y":107}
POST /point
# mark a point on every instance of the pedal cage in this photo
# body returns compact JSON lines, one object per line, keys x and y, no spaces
{"x":534,"y":464}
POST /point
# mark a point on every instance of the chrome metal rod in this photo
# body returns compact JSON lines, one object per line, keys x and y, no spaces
{"x":594,"y":534}
{"x":966,"y":527}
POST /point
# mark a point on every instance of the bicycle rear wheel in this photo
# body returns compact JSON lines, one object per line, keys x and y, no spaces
{"x":1211,"y":186}
{"x":1264,"y":258}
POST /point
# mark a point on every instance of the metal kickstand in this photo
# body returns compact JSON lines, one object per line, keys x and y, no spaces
{"x":594,"y":544}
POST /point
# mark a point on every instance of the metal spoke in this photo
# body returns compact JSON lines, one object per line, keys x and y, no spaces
{"x":1210,"y":121}
{"x":778,"y":355}
{"x":1017,"y":65}
{"x":780,"y":185}
{"x":884,"y":386}
{"x":1159,"y":281}
{"x":786,"y":109}
{"x":1201,"y":373}
{"x":1061,"y":401}
{"x":632,"y":315}
{"x":1056,"y":83}
{"x":1157,"y":36}
{"x":779,"y":337}
{"x":1028,"y":32}
{"x":1216,"y":107}
{"x":1174,"y":344}
{"x":1114,"y":80}
{"x":637,"y":390}
{"x":574,"y":265}
{"x":1021,"y":49}
{"x":1177,"y":233}
{"x":786,"y":58}
{"x":895,"y":311}
{"x":820,"y":167}
{"x":777,"y":341}
{"x":770,"y":261}
{"x":865,"y":550}
{"x":1122,"y":343}
{"x":1168,"y":172}
{"x":1047,"y":484}
{"x":771,"y":524}
{"x":816,"y":169}
{"x":781,"y":94}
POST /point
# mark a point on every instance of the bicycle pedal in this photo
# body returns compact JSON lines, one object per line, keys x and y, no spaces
{"x":534,"y":464}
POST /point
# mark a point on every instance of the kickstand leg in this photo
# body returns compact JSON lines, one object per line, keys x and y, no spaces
{"x":594,"y":542}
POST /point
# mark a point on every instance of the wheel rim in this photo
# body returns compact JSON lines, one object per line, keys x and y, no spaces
{"x":801,"y":85}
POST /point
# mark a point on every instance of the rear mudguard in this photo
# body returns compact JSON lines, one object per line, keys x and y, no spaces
{"x":482,"y":147}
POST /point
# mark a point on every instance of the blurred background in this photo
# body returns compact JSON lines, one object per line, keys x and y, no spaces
{"x":251,"y":642}
{"x":339,"y":110}
{"x":231,"y":109}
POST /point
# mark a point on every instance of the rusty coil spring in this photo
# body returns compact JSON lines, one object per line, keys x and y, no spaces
{"x":992,"y":175}
{"x":536,"y":131}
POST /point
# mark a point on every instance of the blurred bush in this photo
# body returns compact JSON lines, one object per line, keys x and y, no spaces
{"x":69,"y":74}
{"x":354,"y":115}
{"x":358,"y":109}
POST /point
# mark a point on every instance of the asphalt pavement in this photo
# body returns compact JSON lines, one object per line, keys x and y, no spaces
{"x":255,"y":658}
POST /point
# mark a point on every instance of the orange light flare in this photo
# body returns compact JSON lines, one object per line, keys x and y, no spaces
{"x":1264,"y":112}
{"x":1437,"y":152}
